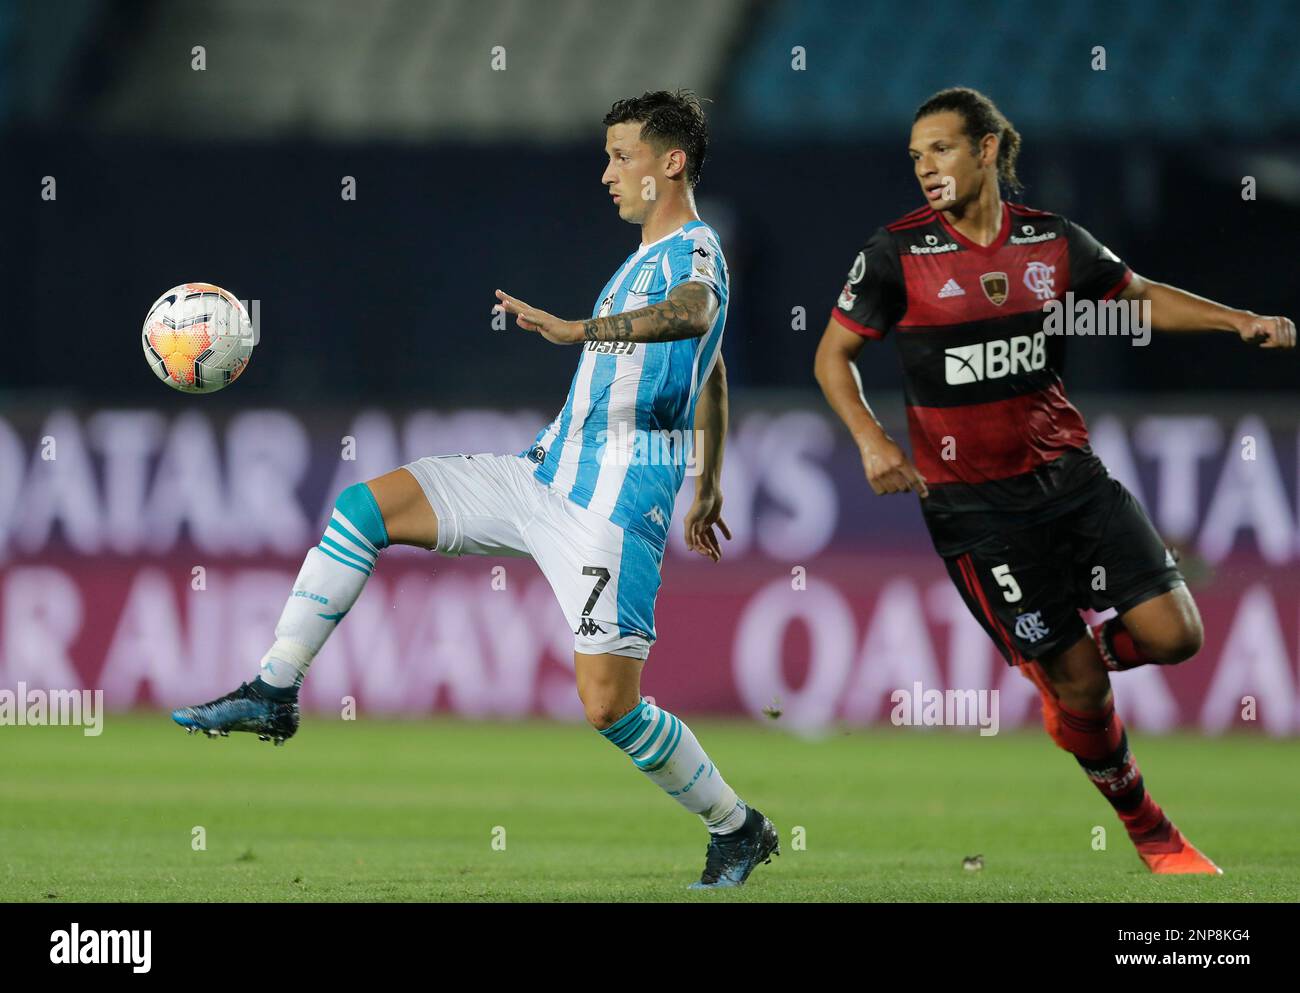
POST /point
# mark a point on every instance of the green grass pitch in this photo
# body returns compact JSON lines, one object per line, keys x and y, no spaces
{"x":406,"y":811}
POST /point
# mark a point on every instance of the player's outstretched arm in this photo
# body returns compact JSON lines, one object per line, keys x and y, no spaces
{"x":887,"y":467}
{"x":1173,"y":309}
{"x":711,"y":416}
{"x":687,"y":312}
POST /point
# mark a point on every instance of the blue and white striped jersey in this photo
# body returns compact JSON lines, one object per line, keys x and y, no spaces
{"x":623,"y":442}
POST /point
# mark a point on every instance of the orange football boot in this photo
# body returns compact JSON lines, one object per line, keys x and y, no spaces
{"x":1176,"y":856}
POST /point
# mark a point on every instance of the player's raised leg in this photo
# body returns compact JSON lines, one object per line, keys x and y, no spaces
{"x":662,"y":746}
{"x":1081,"y":719}
{"x":366,"y":519}
{"x":1164,"y":630}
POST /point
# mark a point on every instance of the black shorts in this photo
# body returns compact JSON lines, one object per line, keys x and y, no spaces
{"x":1027,"y":586}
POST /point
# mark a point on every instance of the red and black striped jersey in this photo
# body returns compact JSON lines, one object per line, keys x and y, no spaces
{"x":991,"y":428}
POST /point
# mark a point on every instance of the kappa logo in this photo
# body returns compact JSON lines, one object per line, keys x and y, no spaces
{"x":656,"y":515}
{"x":995,"y":287}
{"x":703,"y":266}
{"x":606,"y":306}
{"x":951,"y":289}
{"x":995,"y":359}
{"x":588,"y":627}
{"x":1039,"y":280}
{"x":1030,"y":627}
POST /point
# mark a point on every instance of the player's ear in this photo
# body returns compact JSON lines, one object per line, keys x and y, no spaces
{"x":989,"y":149}
{"x":676,"y":164}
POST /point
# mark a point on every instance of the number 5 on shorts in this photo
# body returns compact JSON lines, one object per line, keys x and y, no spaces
{"x":603,"y":577}
{"x":1010,"y":588}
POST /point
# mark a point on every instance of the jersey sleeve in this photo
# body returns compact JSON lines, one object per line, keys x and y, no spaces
{"x":696,"y":257}
{"x":1096,"y":273}
{"x":873,"y":299}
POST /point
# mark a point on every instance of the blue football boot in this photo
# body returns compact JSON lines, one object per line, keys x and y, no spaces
{"x":732,"y":857}
{"x":268,"y":712}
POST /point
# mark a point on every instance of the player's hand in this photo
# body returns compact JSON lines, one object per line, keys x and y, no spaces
{"x":547,"y":325}
{"x":706,"y":512}
{"x":1267,"y":332}
{"x":890,"y":471}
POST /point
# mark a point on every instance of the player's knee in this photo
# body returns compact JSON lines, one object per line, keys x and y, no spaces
{"x":1180,"y":644}
{"x":603,"y":714}
{"x":357,"y":506}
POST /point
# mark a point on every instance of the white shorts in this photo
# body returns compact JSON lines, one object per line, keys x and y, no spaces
{"x":606,"y":578}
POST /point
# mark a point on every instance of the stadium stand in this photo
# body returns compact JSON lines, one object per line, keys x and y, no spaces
{"x":412,"y":68}
{"x":1168,"y":84}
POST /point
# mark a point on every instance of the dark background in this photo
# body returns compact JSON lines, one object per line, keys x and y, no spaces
{"x":388,"y":296}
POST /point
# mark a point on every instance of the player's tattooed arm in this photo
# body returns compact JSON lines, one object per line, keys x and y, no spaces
{"x":688,"y":312}
{"x":1173,"y":309}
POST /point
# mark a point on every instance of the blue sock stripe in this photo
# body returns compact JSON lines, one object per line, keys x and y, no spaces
{"x":358,"y":547}
{"x":339,"y":558}
{"x":628,"y":735}
{"x":660,"y":758}
{"x":625,"y":726}
{"x":652,"y":741}
{"x":341,"y":525}
{"x":347,"y":553}
{"x":643,"y":742}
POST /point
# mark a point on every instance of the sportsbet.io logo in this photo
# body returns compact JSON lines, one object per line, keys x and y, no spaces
{"x":995,"y":359}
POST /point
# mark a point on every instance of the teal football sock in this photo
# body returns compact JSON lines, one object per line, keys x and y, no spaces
{"x":332,"y":577}
{"x":665,"y":749}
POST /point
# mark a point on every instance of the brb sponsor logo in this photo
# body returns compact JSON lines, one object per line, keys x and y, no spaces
{"x":995,"y":359}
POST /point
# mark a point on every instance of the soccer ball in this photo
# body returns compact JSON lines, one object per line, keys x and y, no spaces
{"x":197,"y":338}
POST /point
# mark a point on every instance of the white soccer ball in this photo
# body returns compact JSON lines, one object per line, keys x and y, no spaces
{"x":197,"y":338}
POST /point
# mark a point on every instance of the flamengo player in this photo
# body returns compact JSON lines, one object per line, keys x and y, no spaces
{"x":1023,"y":513}
{"x":590,"y":500}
